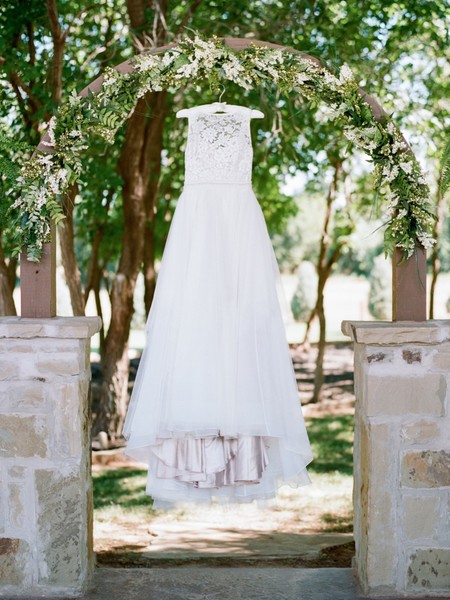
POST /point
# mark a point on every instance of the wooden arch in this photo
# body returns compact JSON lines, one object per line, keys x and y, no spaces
{"x":38,"y":280}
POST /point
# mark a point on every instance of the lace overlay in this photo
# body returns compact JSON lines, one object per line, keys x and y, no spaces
{"x":219,"y":148}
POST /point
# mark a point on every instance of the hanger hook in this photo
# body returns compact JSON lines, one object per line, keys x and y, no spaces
{"x":221,"y":93}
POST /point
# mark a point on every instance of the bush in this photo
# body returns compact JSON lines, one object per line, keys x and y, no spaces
{"x":380,"y":292}
{"x":305,"y":295}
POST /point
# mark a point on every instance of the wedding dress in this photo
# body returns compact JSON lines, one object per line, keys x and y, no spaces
{"x":214,"y":410}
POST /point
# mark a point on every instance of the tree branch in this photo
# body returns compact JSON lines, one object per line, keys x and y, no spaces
{"x":81,"y":13}
{"x":187,"y":17}
{"x":58,"y":37}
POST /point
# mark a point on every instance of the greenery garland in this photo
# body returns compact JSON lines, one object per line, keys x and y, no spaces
{"x":47,"y":175}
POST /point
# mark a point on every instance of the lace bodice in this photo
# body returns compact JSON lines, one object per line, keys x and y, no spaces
{"x":219,"y":147}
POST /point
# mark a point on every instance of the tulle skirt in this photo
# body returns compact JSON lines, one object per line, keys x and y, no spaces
{"x":214,"y":410}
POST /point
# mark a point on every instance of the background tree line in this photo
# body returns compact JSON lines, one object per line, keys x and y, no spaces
{"x":118,"y":218}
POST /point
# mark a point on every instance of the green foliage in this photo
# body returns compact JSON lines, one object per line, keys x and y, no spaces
{"x":380,"y":291}
{"x":104,"y":112}
{"x":444,"y":183}
{"x":305,"y":295}
{"x":365,"y":244}
{"x":291,"y":137}
{"x":11,"y":155}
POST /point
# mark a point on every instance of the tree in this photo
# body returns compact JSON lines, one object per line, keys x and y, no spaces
{"x":304,"y":298}
{"x":380,"y":291}
{"x":333,"y":239}
{"x":117,"y":220}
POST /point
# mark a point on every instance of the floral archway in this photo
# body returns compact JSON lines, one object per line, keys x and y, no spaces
{"x":105,"y":104}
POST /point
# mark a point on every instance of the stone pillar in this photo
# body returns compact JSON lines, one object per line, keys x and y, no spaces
{"x":45,"y":482}
{"x":402,"y":457}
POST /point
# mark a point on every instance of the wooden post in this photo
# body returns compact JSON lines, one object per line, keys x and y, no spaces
{"x":409,"y":287}
{"x":38,"y":283}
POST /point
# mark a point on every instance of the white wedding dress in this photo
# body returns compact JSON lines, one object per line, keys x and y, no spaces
{"x":215,"y":410}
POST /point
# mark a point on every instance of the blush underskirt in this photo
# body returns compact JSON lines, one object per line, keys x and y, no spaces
{"x":212,"y":462}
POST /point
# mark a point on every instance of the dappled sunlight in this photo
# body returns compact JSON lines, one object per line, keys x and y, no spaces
{"x":285,"y":527}
{"x":126,"y":523}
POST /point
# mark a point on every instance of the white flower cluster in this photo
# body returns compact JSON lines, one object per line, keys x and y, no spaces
{"x":407,"y":167}
{"x":147,"y":62}
{"x":306,"y":71}
{"x":44,"y":177}
{"x":205,"y":52}
{"x":200,"y":54}
{"x":362,"y":137}
{"x":271,"y":63}
{"x":390,"y":172}
{"x":234,"y":71}
{"x":57,"y":181}
{"x":50,"y":133}
{"x":345,"y":74}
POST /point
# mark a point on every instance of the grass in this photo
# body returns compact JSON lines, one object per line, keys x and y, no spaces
{"x":332,"y":442}
{"x":121,"y":504}
{"x":121,"y":487}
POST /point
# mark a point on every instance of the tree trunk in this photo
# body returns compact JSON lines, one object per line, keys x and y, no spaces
{"x":324,"y":268}
{"x":68,"y":256}
{"x":434,"y":258}
{"x":134,"y":167}
{"x":156,"y":146}
{"x":7,"y":306}
{"x":58,"y":38}
{"x":309,"y":322}
{"x":318,"y":376}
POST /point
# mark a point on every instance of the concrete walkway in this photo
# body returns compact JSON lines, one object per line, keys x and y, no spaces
{"x":206,"y":583}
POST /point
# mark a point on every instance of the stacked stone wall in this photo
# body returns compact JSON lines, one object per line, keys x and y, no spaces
{"x":45,"y":483}
{"x":402,"y":457}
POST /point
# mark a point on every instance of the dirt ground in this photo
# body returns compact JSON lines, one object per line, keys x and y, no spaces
{"x":289,"y":534}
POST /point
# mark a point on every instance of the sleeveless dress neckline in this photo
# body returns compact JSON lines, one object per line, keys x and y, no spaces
{"x":214,"y":410}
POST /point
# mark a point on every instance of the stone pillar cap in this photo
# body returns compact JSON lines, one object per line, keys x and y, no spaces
{"x":56,"y":327}
{"x":397,"y":332}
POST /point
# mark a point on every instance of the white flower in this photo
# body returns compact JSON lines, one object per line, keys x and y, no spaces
{"x":407,"y":167}
{"x":56,"y":182}
{"x":273,"y":72}
{"x":168,"y":58}
{"x":232,"y":67}
{"x":188,"y":70}
{"x":274,"y":57}
{"x":45,"y":160}
{"x":147,"y":62}
{"x":345,"y":74}
{"x":391,"y":128}
{"x":51,"y":133}
{"x":398,"y":145}
{"x":425,"y":239}
{"x":390,"y":172}
{"x":330,"y":79}
{"x":109,"y":78}
{"x":302,"y":77}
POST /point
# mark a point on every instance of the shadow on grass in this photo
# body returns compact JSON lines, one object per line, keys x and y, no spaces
{"x":123,"y":486}
{"x":331,"y":438}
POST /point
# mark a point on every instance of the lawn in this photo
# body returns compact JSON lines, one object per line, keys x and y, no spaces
{"x":126,"y":521}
